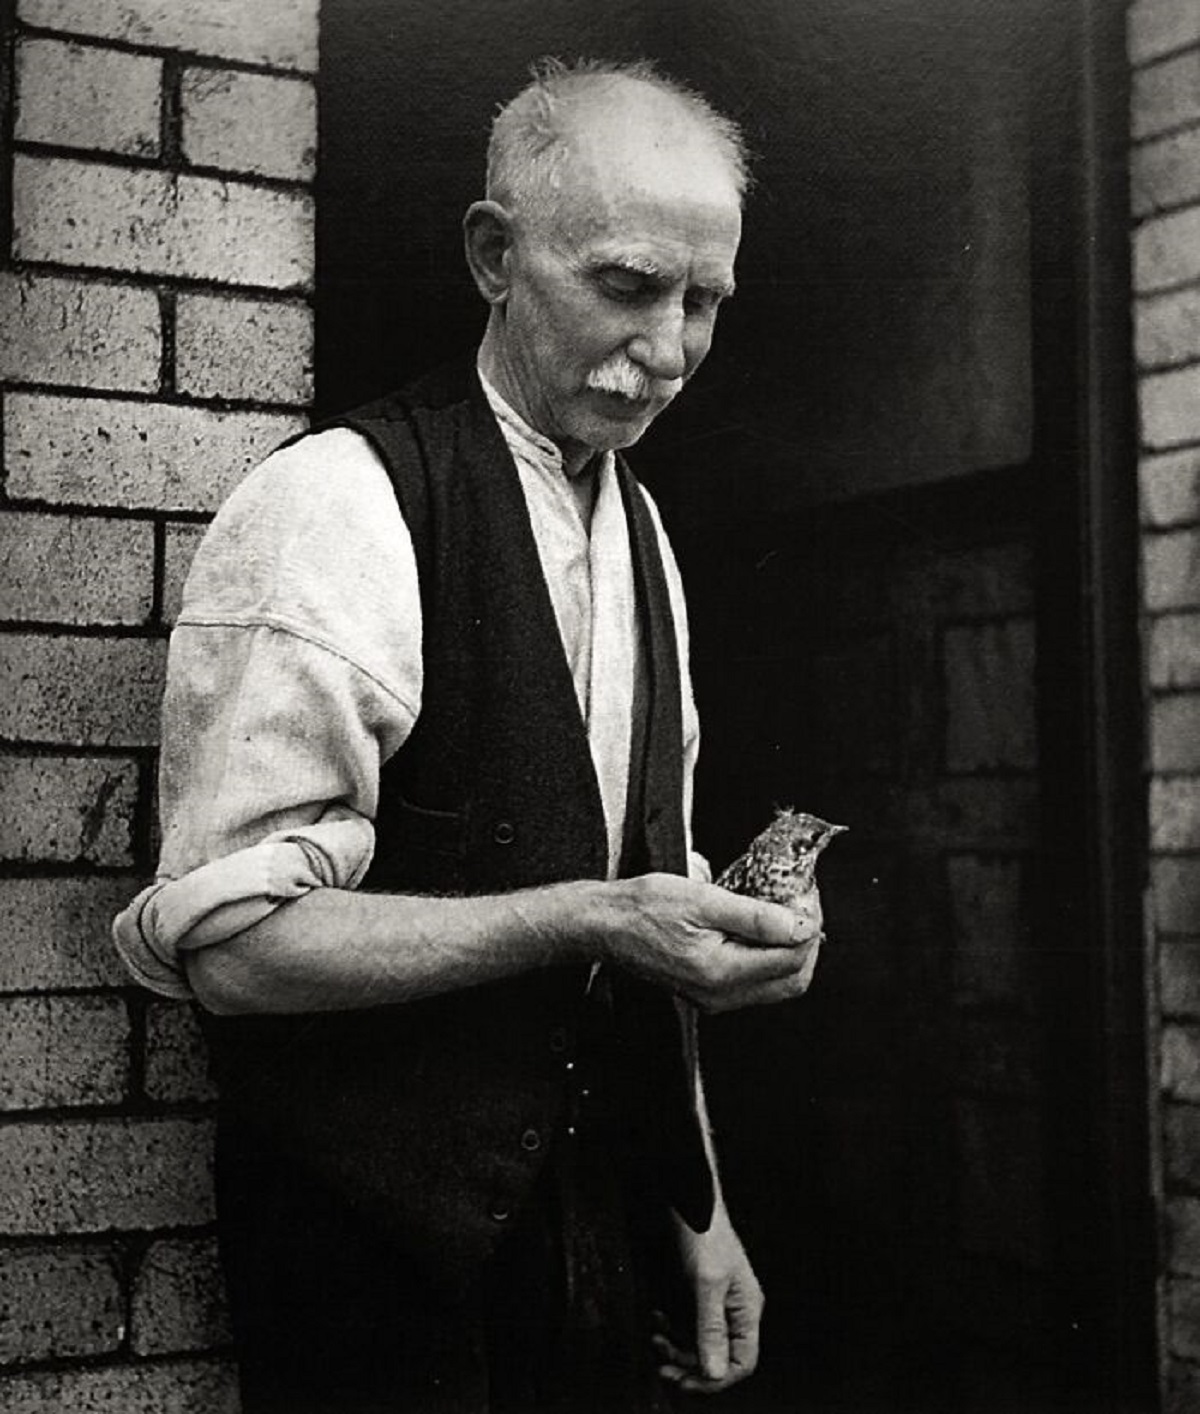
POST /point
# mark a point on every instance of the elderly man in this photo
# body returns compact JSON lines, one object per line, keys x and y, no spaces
{"x":427,"y":754}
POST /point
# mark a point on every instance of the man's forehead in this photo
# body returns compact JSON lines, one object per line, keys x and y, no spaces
{"x":632,"y":133}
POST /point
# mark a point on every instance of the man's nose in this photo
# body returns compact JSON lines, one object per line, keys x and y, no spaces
{"x":658,"y":346}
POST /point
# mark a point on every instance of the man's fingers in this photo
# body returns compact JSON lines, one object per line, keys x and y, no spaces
{"x":744,"y":1316}
{"x":748,"y":919}
{"x":712,"y":1331}
{"x":807,"y":917}
{"x":749,"y":966}
{"x":674,"y":1365}
{"x":810,"y":961}
{"x":727,"y":1322}
{"x":742,"y":971}
{"x":758,"y":990}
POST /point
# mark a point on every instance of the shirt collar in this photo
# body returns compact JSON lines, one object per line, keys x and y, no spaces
{"x":524,"y":442}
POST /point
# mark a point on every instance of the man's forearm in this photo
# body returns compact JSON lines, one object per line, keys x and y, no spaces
{"x":335,"y":949}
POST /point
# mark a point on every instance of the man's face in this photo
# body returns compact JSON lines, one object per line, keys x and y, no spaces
{"x":613,"y":299}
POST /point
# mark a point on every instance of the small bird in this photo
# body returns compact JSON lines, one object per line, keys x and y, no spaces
{"x":780,"y":864}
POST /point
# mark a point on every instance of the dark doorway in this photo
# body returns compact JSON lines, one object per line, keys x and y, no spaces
{"x":900,"y":491}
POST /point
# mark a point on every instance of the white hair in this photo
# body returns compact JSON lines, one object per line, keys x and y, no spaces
{"x":529,"y":133}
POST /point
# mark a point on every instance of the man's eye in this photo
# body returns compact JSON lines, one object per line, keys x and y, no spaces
{"x":701,"y":301}
{"x":624,"y":284}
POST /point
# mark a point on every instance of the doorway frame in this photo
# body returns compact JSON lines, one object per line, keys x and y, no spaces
{"x":1101,"y":1188}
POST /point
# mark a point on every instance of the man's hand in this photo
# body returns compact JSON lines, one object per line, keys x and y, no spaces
{"x":728,"y":1309}
{"x":717,"y":949}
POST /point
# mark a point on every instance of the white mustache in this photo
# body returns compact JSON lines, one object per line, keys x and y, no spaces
{"x":621,"y":375}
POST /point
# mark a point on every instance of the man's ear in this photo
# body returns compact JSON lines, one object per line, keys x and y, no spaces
{"x":488,"y":236}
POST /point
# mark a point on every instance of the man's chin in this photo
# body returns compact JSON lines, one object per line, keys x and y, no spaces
{"x":620,"y":422}
{"x":615,"y":439}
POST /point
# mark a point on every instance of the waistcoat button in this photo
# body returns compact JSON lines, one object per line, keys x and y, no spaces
{"x":504,"y":832}
{"x":500,"y":1212}
{"x":558,"y":1040}
{"x":531,"y":1141}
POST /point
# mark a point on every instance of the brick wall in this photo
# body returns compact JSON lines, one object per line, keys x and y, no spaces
{"x":1164,"y":47}
{"x":156,"y":261}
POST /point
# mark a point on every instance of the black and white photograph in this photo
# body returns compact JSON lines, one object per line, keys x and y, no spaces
{"x":599,"y":707}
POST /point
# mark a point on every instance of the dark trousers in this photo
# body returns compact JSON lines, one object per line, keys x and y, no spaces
{"x":329,"y":1318}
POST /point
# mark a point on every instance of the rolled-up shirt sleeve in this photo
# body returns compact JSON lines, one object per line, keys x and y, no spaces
{"x":294,"y":672}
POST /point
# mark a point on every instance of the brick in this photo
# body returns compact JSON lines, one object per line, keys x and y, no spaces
{"x":179,"y":1299}
{"x":1167,"y":328}
{"x":65,"y":96}
{"x":1180,"y":1062}
{"x":991,"y":934}
{"x":54,"y":933}
{"x":197,"y":1387}
{"x":63,"y":1051}
{"x":283,"y":33}
{"x":990,"y":697}
{"x":111,"y":452}
{"x":1000,"y":1150}
{"x":1170,"y":405}
{"x":92,"y":1175}
{"x":1171,"y":569}
{"x":176,"y":1056}
{"x":1179,"y":978}
{"x":1175,"y":651}
{"x":1176,"y":885}
{"x":250,"y":123}
{"x":1183,"y":1235}
{"x":182,"y":541}
{"x":81,"y":333}
{"x":1181,"y":1146}
{"x":1166,"y":96}
{"x":67,"y":810}
{"x":1165,"y":173}
{"x":67,"y":569}
{"x":80,"y":691}
{"x":161,"y":223}
{"x":1157,"y":27}
{"x":1175,"y":813}
{"x":1175,"y":733}
{"x":58,"y":1303}
{"x":1183,"y":1317}
{"x":1166,"y":251}
{"x":238,"y":348}
{"x":1169,"y":488}
{"x":1182,"y":1394}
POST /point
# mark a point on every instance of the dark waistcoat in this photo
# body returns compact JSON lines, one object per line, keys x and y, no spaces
{"x":419,"y":1115}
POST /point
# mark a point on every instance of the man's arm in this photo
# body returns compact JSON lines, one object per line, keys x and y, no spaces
{"x":336,"y":949}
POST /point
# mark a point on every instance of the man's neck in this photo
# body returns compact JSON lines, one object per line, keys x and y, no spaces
{"x":575,"y":456}
{"x":583,"y":482}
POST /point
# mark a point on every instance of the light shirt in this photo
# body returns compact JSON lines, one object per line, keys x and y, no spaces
{"x":295,"y":672}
